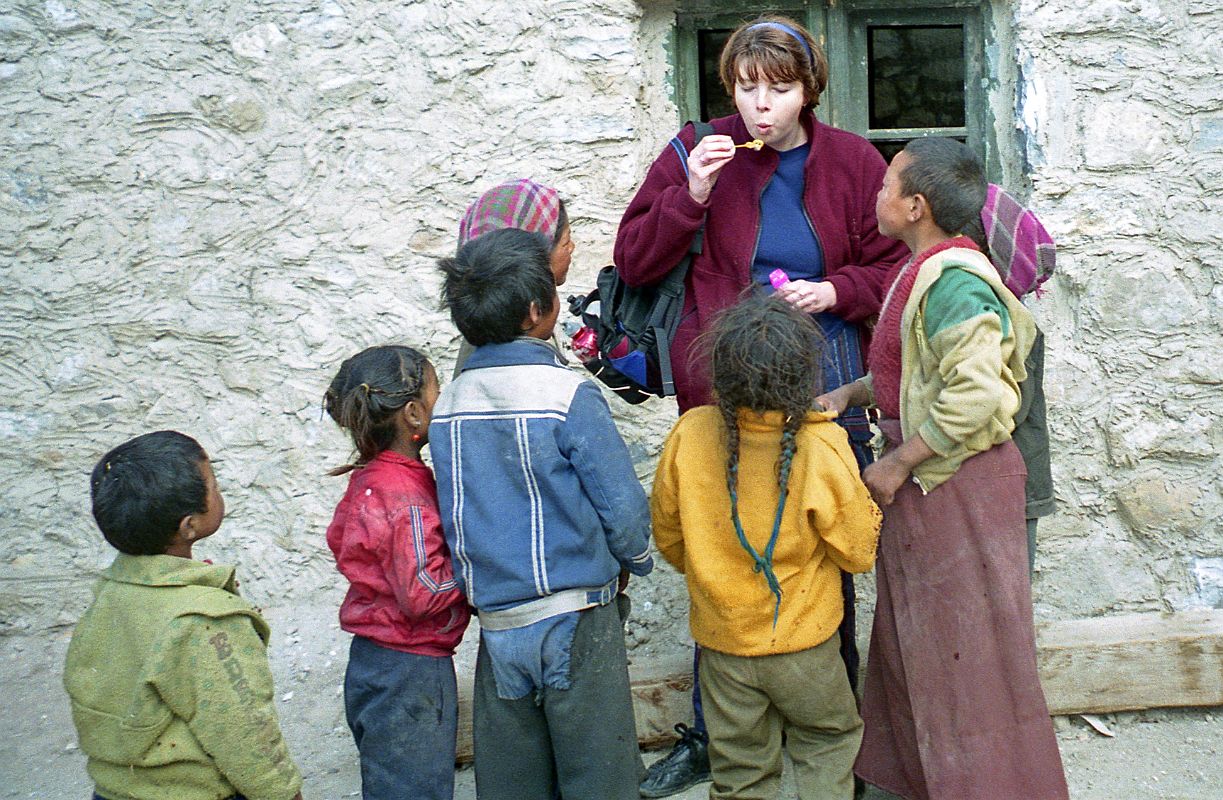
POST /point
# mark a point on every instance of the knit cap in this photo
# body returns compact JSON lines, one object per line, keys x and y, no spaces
{"x":522,"y":204}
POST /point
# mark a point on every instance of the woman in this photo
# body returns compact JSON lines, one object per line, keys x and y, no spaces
{"x":805,"y":204}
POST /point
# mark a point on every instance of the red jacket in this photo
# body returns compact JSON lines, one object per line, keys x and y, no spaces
{"x":387,"y":540}
{"x":843,"y":174}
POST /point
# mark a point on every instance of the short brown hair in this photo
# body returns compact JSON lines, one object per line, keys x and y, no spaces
{"x":770,"y":53}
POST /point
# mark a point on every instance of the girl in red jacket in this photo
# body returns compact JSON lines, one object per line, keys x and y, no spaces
{"x":802,"y":204}
{"x":403,"y":607}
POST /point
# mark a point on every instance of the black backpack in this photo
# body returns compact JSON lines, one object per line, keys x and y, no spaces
{"x":635,"y":325}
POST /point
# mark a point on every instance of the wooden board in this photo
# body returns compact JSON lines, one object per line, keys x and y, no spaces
{"x":1134,"y":661}
{"x":1096,"y":665}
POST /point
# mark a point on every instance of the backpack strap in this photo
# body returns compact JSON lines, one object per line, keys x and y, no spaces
{"x":673,"y":284}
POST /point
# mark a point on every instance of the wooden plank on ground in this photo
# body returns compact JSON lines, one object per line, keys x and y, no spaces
{"x":1134,"y":661}
{"x":1097,"y":665}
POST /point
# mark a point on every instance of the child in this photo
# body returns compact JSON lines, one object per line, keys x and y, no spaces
{"x":541,"y":510}
{"x":953,"y":629}
{"x":168,"y":669}
{"x":528,"y":206}
{"x":1024,"y":254}
{"x":403,"y":608}
{"x":757,"y":501}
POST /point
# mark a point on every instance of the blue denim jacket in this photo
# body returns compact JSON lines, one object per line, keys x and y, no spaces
{"x":535,"y":486}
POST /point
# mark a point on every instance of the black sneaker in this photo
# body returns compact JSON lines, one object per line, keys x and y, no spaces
{"x":686,"y":765}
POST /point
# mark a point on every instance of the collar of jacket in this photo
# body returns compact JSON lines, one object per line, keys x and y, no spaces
{"x":775,"y":421}
{"x":170,"y":571}
{"x":391,"y":457}
{"x":523,"y":350}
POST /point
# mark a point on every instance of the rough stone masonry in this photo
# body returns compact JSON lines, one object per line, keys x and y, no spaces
{"x":205,"y":207}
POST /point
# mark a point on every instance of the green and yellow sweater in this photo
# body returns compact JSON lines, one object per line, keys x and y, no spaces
{"x":170,"y":687}
{"x":963,"y":340}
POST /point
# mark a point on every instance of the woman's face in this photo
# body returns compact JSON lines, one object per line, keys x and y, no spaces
{"x":561,"y":257}
{"x":770,"y":110}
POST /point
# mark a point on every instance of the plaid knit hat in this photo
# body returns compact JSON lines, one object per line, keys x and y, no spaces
{"x":1021,"y":249}
{"x":521,"y":204}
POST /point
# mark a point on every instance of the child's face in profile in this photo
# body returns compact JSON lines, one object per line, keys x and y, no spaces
{"x":421,"y":409}
{"x":207,"y":522}
{"x":892,"y":208}
{"x":561,"y":257}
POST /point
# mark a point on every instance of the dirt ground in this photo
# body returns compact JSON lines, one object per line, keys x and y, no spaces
{"x":1170,"y":754}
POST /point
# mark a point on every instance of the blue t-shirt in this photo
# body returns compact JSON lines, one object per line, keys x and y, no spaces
{"x":787,"y":238}
{"x":788,"y":242}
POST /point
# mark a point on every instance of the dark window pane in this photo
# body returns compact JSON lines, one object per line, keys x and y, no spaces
{"x":888,"y":148}
{"x":714,"y":100}
{"x":916,"y":76}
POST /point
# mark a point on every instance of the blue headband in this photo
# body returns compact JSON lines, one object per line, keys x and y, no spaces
{"x":787,"y":29}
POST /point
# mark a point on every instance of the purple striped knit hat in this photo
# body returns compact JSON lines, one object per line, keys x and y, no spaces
{"x":522,"y":204}
{"x":1021,"y":249}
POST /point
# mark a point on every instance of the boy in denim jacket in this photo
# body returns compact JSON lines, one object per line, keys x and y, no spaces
{"x":543,"y":513}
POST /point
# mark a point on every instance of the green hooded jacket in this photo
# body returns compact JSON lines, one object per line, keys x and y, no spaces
{"x":170,"y":686}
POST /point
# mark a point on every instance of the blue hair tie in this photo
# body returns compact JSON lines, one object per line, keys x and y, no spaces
{"x":787,"y":29}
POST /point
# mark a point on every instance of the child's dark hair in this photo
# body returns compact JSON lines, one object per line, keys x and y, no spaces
{"x":367,"y":392}
{"x":143,"y":488}
{"x":950,"y":176}
{"x":491,"y":283}
{"x":766,"y":355}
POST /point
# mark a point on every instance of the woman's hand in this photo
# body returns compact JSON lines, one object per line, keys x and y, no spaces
{"x":809,"y":296}
{"x":705,"y":162}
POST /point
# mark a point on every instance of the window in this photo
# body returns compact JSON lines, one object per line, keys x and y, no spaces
{"x":899,"y":69}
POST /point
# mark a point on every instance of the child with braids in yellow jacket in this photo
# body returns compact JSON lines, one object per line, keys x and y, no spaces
{"x":757,"y":501}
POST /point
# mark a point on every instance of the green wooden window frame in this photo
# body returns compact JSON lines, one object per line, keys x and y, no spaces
{"x":841,"y":27}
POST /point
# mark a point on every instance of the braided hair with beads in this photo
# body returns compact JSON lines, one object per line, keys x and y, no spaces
{"x":765,"y":355}
{"x":367,"y":392}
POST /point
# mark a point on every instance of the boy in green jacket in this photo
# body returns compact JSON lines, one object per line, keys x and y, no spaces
{"x":168,"y":671}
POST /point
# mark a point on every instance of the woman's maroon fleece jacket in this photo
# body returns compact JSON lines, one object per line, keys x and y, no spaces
{"x":842,"y":175}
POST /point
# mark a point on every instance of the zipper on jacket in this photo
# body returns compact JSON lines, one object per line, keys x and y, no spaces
{"x":819,"y":243}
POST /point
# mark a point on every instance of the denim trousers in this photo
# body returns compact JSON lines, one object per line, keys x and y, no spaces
{"x":403,"y":712}
{"x":578,"y":743}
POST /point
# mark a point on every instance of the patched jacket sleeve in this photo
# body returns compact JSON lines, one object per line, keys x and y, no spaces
{"x":964,"y":323}
{"x":599,"y":456}
{"x":659,"y":223}
{"x":214,"y":674}
{"x":664,"y":506}
{"x":841,"y":510}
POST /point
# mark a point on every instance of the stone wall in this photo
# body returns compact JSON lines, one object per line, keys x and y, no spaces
{"x":1122,"y":110}
{"x":204,"y":210}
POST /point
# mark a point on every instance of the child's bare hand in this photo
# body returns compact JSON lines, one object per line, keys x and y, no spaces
{"x":884,"y":478}
{"x":622,"y":582}
{"x":837,"y":400}
{"x":809,"y":296}
{"x":705,"y":162}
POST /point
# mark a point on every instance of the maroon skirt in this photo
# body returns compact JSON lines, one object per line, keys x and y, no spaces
{"x":952,"y":703}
